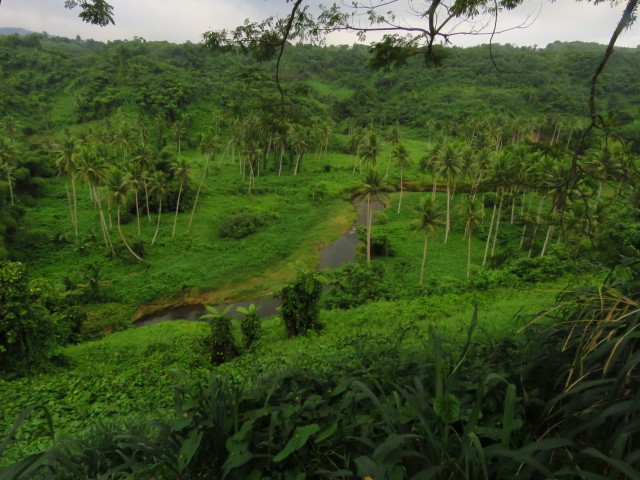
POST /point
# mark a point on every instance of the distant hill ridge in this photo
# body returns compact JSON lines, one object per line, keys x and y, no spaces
{"x":12,"y":30}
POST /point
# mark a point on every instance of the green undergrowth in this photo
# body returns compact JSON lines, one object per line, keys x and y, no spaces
{"x":130,"y":375}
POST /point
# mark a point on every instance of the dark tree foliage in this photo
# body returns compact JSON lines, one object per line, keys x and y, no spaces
{"x":26,"y":329}
{"x":300,"y":304}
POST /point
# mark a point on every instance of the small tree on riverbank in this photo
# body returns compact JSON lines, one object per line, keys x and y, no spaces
{"x":300,"y":304}
{"x":223,"y":344}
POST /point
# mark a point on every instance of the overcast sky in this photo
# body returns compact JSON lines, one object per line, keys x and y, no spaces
{"x":181,"y":20}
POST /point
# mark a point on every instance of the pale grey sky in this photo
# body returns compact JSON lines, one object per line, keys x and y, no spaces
{"x":181,"y":20}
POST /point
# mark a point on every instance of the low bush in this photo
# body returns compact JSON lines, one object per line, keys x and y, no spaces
{"x":244,"y":222}
{"x":355,"y":284}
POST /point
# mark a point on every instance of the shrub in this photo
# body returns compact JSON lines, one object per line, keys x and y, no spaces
{"x":380,"y":242}
{"x":243,"y":222}
{"x":300,"y":304}
{"x":222,"y":343}
{"x":26,"y":328}
{"x":250,"y":325}
{"x":355,"y":284}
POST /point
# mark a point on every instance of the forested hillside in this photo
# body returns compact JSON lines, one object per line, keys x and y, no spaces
{"x":477,"y":316}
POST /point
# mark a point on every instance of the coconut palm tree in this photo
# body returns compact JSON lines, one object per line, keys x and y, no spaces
{"x":136,"y":181}
{"x":428,"y":217}
{"x":8,"y":160}
{"x":180,"y":171}
{"x":371,"y":151}
{"x":92,"y":169}
{"x":158,"y":187}
{"x":401,"y":156}
{"x":209,"y":146}
{"x":144,"y":160}
{"x":66,"y":161}
{"x":472,"y":212}
{"x":299,"y":141}
{"x":449,"y":167}
{"x":373,"y":189}
{"x":393,"y":137}
{"x":118,"y":186}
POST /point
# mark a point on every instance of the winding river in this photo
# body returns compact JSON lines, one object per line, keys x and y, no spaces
{"x":341,"y":251}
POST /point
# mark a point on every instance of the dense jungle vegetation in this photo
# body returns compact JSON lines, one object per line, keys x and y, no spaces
{"x":488,"y":327}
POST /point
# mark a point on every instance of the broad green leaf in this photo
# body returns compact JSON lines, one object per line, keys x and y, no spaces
{"x":299,"y":438}
{"x":326,"y":432}
{"x":189,"y":448}
{"x":447,"y":407}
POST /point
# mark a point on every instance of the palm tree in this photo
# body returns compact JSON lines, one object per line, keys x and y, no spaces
{"x":92,"y":168}
{"x":252,"y":156}
{"x":66,"y":162}
{"x":209,"y":146}
{"x":136,"y":180}
{"x":372,"y":189}
{"x":449,"y":167}
{"x":472,"y":212}
{"x":393,"y":137}
{"x":428,"y":218}
{"x":158,"y":187}
{"x":119,"y":186}
{"x":179,"y":170}
{"x":300,"y":146}
{"x":8,"y":159}
{"x":144,"y":161}
{"x":402,"y":160}
{"x":371,"y":151}
{"x":179,"y":130}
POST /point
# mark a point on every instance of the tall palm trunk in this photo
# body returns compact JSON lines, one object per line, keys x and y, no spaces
{"x":280,"y":162}
{"x":535,"y":230}
{"x":10,"y":185}
{"x":122,"y":236}
{"x":486,"y":247}
{"x":137,"y":211}
{"x":103,"y":222}
{"x":469,"y":253}
{"x":495,"y":235}
{"x":175,"y":219}
{"x":401,"y":188}
{"x":546,"y":241}
{"x":369,"y":215}
{"x":446,"y":231}
{"x":295,"y":169}
{"x":424,"y":259}
{"x":146,"y":199}
{"x":73,"y":220}
{"x":195,"y":202}
{"x":75,"y":203}
{"x":157,"y":224}
{"x":433,"y":191}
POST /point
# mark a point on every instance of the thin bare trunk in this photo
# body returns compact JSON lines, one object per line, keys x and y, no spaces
{"x":546,"y":240}
{"x":122,"y":236}
{"x":175,"y":219}
{"x":75,"y":203}
{"x":137,"y":212}
{"x":469,"y":255}
{"x":195,"y":202}
{"x":486,"y":248}
{"x":280,"y":163}
{"x":369,"y":215}
{"x":157,"y":224}
{"x":401,"y":188}
{"x":495,"y":235}
{"x":424,"y":259}
{"x":446,"y":231}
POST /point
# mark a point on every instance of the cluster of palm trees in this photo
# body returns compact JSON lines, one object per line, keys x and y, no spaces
{"x":260,"y":139}
{"x":511,"y":179}
{"x":125,"y":174}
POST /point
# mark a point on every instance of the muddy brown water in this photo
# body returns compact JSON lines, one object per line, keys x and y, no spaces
{"x":343,"y":250}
